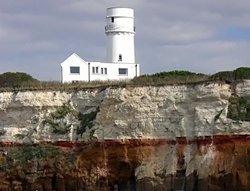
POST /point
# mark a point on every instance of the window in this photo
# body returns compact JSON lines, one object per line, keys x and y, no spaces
{"x":120,"y":57}
{"x":95,"y":70}
{"x":103,"y":70}
{"x":112,"y":19}
{"x":123,"y":71}
{"x":74,"y":69}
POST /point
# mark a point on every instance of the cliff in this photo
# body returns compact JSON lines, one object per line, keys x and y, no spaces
{"x":185,"y":137}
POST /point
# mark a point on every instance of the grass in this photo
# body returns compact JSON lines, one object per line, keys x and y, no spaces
{"x":58,"y":86}
{"x":158,"y":79}
{"x":163,"y":78}
{"x":170,"y":78}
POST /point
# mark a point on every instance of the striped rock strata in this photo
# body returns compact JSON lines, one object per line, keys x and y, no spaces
{"x":186,"y":137}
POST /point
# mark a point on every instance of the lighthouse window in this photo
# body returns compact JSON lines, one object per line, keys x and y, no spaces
{"x":112,"y":19}
{"x":120,"y":57}
{"x":123,"y":71}
{"x":74,"y":69}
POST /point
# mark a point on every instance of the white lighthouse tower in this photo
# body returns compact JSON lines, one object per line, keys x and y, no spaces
{"x":120,"y":63}
{"x":120,"y":31}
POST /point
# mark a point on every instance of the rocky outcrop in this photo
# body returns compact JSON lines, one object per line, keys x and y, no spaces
{"x":186,"y":137}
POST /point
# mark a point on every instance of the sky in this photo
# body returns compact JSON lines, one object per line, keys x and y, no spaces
{"x":204,"y":36}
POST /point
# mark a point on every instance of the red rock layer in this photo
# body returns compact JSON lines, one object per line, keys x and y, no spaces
{"x":111,"y":165}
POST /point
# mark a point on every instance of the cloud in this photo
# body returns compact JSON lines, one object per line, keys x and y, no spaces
{"x":176,"y":33}
{"x":197,"y":35}
{"x":206,"y":57}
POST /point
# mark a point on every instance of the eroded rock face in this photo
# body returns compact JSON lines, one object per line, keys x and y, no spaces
{"x":122,"y":113}
{"x":218,"y":163}
{"x":188,"y":137}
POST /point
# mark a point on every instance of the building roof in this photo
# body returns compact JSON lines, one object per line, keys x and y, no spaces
{"x":73,"y":58}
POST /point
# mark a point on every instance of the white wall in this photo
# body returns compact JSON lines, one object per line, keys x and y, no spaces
{"x":87,"y":74}
{"x":120,"y":35}
{"x":120,"y":44}
{"x":113,"y":71}
{"x":74,"y":60}
{"x":120,"y":11}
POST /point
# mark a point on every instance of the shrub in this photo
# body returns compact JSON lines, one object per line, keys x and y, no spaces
{"x":172,"y":77}
{"x":56,"y":122}
{"x":87,"y":121}
{"x":223,"y":76}
{"x":23,"y":82}
{"x":17,"y":79}
{"x":230,"y":76}
{"x":2,"y":132}
{"x":242,"y":73}
{"x":239,"y":108}
{"x":175,"y":73}
{"x":29,"y":152}
{"x":40,"y":152}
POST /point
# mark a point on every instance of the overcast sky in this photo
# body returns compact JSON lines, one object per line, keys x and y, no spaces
{"x":197,"y":35}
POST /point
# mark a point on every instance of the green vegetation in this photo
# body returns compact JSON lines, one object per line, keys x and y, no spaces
{"x":59,"y":126}
{"x":55,"y":119}
{"x":20,"y":136}
{"x":29,"y":152}
{"x":62,"y":111}
{"x":242,"y":73}
{"x":58,"y":86}
{"x":39,"y":152}
{"x":87,"y":121}
{"x":170,"y":78}
{"x":223,"y":76}
{"x":231,"y":76}
{"x":23,"y":82}
{"x":2,"y":132}
{"x":175,"y":73}
{"x":239,"y":108}
{"x":17,"y":79}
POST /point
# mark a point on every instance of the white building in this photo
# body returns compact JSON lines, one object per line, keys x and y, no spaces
{"x":120,"y":63}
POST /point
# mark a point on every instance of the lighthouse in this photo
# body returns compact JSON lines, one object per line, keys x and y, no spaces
{"x":120,"y":31}
{"x":120,"y":62}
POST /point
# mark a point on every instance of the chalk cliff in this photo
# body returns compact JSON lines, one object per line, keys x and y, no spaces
{"x":183,"y":137}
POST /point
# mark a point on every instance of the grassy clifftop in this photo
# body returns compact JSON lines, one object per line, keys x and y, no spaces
{"x":22,"y":82}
